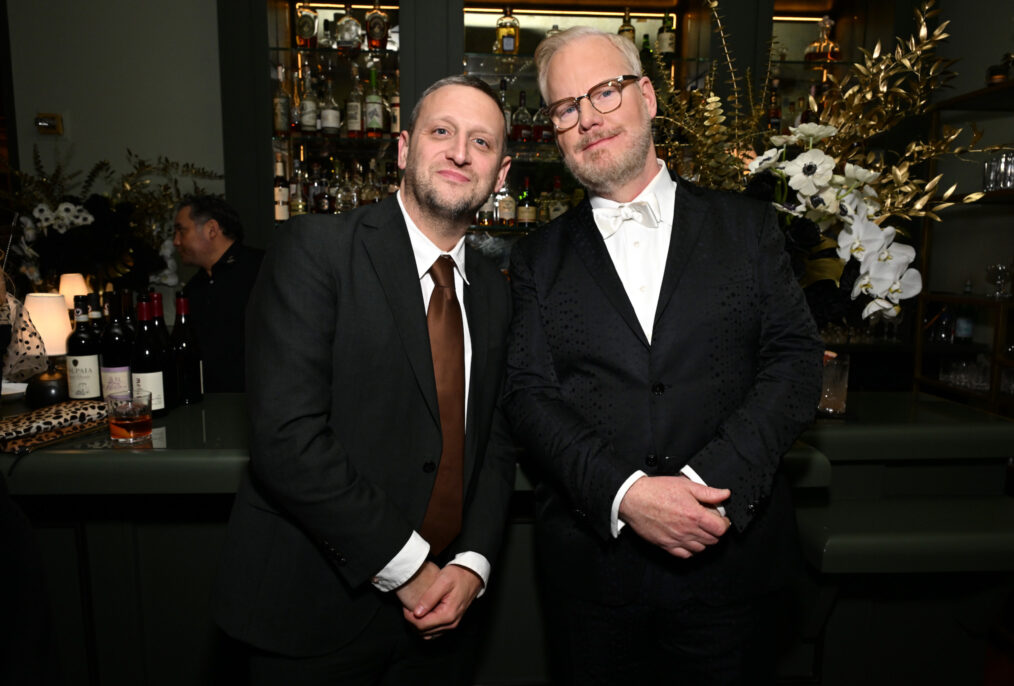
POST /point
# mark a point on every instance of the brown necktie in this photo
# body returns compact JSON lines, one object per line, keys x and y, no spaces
{"x":447,"y":342}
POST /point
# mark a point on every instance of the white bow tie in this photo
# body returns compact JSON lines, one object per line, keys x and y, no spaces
{"x":643,"y":212}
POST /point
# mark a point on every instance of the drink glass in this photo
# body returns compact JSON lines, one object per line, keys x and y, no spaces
{"x":835,"y":388}
{"x":129,"y":417}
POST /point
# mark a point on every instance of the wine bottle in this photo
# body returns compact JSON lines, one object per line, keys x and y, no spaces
{"x":187,"y":354}
{"x":83,"y":381}
{"x":527,"y":210}
{"x":521,"y":121}
{"x":354,"y":107}
{"x":148,"y":357}
{"x":117,"y":344}
{"x":626,"y":28}
{"x":281,"y":190}
{"x":373,"y":116}
{"x":95,"y":318}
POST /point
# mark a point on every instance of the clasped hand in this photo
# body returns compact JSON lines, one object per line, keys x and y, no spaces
{"x":435,"y":599}
{"x":675,"y":513}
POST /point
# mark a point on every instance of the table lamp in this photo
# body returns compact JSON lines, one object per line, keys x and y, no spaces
{"x":49,"y":314}
{"x":71,"y":285}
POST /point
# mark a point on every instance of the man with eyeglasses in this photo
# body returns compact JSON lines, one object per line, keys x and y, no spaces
{"x":661,"y":360}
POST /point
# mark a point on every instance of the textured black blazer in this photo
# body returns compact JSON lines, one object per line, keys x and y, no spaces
{"x":729,"y":380}
{"x":345,"y":431}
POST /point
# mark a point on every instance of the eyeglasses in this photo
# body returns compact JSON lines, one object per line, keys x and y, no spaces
{"x":604,"y":97}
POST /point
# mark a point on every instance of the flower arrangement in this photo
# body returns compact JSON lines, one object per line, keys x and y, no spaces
{"x":843,"y":194}
{"x":123,"y":237}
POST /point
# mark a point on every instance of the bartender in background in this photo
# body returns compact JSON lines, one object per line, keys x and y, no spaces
{"x":209,"y":235}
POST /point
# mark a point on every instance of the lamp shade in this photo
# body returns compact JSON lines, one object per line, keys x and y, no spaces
{"x":49,"y":314}
{"x":71,"y":285}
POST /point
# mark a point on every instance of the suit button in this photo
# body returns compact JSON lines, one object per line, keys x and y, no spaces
{"x":651,"y":460}
{"x":658,"y":389}
{"x":429,"y":466}
{"x":751,"y":508}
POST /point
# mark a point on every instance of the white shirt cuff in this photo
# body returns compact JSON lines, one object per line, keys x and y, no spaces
{"x":615,"y":524}
{"x":689,"y":472}
{"x":476,"y":562}
{"x":404,"y":565}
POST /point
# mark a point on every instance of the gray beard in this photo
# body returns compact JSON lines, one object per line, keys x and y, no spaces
{"x":601,"y":180}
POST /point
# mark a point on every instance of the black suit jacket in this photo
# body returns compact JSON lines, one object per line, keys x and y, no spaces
{"x":345,"y":429}
{"x":729,"y":380}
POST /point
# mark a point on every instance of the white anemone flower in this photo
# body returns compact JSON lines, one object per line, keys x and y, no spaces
{"x":860,"y":176}
{"x":813,"y":131}
{"x":762,"y":162}
{"x":44,"y":215}
{"x":810,"y":171}
{"x":823,"y":203}
{"x":781,"y":140}
{"x":863,"y":238}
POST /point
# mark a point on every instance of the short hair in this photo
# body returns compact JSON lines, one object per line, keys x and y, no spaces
{"x":460,"y":80}
{"x":205,"y":207}
{"x":550,"y":45}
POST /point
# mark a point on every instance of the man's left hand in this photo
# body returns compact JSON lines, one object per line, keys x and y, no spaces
{"x":444,"y":603}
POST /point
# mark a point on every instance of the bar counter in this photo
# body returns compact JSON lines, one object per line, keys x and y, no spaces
{"x":907,"y":490}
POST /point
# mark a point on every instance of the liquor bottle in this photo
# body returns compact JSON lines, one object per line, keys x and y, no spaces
{"x":487,"y":212}
{"x":116,"y":345}
{"x":374,"y":115}
{"x":95,"y":318}
{"x":348,"y":34}
{"x":83,"y":348}
{"x":354,"y":106}
{"x":823,"y":49}
{"x":148,"y":359}
{"x":281,"y":103}
{"x":504,"y":105}
{"x":542,"y":125}
{"x":647,"y":58}
{"x":281,"y":190}
{"x":521,"y":121}
{"x":348,"y":195}
{"x":508,"y":34}
{"x":774,"y":109}
{"x":558,"y":201}
{"x":309,"y":106}
{"x":186,"y":354}
{"x":330,"y":111}
{"x":964,"y":321}
{"x":377,"y":26}
{"x":297,"y":190}
{"x":553,"y":31}
{"x":626,"y":28}
{"x":528,"y":210}
{"x":665,"y":40}
{"x":506,"y":207}
{"x":394,"y":100}
{"x":306,"y":27}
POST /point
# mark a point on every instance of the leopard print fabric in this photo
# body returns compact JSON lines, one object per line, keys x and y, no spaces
{"x":66,"y":414}
{"x":26,"y":444}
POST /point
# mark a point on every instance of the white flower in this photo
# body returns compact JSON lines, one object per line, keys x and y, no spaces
{"x":863,"y":238}
{"x":860,"y":176}
{"x":66,"y":210}
{"x":780,"y":140}
{"x":762,"y":162}
{"x":166,"y":250}
{"x":44,"y":215}
{"x":813,"y":132}
{"x":823,"y":203}
{"x":889,"y":275}
{"x":809,"y":170}
{"x":28,"y":231}
{"x":884,"y":307}
{"x":84,"y":217}
{"x":907,"y":286}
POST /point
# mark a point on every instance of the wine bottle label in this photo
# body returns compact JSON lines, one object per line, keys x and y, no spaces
{"x":151,"y":382}
{"x":374,"y":114}
{"x":354,"y":115}
{"x":666,"y":42}
{"x":527,"y":214}
{"x":115,"y":380}
{"x":83,"y":376}
{"x":281,"y":114}
{"x":507,"y":208}
{"x":308,"y":114}
{"x":330,"y":119}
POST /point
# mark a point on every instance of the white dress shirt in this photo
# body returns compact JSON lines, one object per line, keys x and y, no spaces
{"x":639,"y":255}
{"x":413,"y":554}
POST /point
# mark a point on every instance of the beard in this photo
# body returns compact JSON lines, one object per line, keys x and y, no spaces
{"x":602,"y":170}
{"x":430,"y":200}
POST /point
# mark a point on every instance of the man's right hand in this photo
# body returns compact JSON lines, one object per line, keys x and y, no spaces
{"x":675,"y":513}
{"x":410,"y":592}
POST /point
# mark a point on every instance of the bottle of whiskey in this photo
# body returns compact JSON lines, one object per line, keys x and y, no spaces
{"x":626,"y":28}
{"x":647,"y":58}
{"x":377,"y":26}
{"x":487,"y":212}
{"x":508,"y":34}
{"x":306,"y":26}
{"x":542,"y":126}
{"x":348,"y":34}
{"x":281,"y":103}
{"x":521,"y":121}
{"x":309,"y":106}
{"x":281,"y":190}
{"x":665,"y":41}
{"x":374,"y":115}
{"x":354,"y":107}
{"x":297,"y":190}
{"x":823,"y":49}
{"x":394,"y":102}
{"x":506,"y":208}
{"x":330,"y":111}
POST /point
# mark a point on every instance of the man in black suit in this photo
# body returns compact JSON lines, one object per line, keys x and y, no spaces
{"x":661,"y":359}
{"x":349,"y":544}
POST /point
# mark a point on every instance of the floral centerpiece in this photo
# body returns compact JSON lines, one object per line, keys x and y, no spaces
{"x":123,"y":236}
{"x":844,"y":195}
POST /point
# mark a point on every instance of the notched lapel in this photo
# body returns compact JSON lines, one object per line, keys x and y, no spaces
{"x":688,"y":223}
{"x":385,"y":239}
{"x":589,"y":246}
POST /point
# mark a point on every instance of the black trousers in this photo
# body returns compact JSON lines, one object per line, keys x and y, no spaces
{"x":691,"y":643}
{"x":388,"y":652}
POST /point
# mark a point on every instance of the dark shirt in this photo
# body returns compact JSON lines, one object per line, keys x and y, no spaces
{"x":218,"y":309}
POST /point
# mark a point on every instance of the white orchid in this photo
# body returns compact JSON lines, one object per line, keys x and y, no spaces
{"x":889,"y":275}
{"x":780,"y":141}
{"x":862,"y":238}
{"x":809,"y":171}
{"x":858,"y":175}
{"x":885,"y":308}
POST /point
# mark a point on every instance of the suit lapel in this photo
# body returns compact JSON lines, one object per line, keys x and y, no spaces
{"x":590,"y":247}
{"x":385,"y":240}
{"x":687,"y":225}
{"x":477,"y":309}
